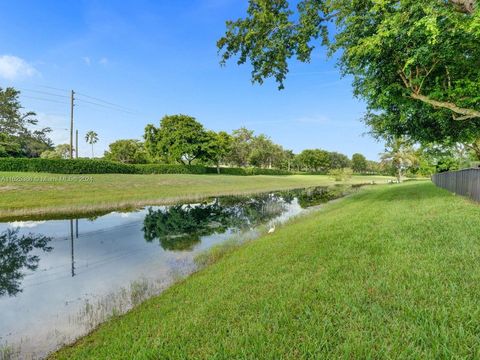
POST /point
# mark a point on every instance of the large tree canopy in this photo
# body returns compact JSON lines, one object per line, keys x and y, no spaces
{"x":17,"y":139}
{"x":408,"y":58}
{"x":179,"y":138}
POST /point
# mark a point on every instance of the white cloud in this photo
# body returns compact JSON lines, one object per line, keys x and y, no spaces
{"x":26,"y":224}
{"x":103,"y":61}
{"x":87,"y":60}
{"x":13,"y":67}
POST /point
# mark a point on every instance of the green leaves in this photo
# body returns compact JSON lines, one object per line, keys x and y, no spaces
{"x":408,"y":58}
{"x":16,"y":138}
{"x":270,"y":35}
{"x":180,"y":138}
{"x":128,"y":151}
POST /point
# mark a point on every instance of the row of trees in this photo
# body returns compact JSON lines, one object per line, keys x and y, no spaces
{"x":178,"y":139}
{"x":182,"y":139}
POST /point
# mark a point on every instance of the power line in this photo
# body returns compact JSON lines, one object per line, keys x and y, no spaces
{"x":106,"y":102}
{"x":43,"y":99}
{"x":82,"y":94}
{"x":98,"y":101}
{"x":44,"y":93}
{"x":107,"y":107}
{"x":53,"y":88}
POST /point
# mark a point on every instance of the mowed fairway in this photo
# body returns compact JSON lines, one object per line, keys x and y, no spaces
{"x":391,"y":272}
{"x":26,"y":194}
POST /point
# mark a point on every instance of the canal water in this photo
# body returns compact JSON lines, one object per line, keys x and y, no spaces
{"x":61,"y":278}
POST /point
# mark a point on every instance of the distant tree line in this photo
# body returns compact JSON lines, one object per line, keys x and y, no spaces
{"x":181,"y":139}
{"x":178,"y":139}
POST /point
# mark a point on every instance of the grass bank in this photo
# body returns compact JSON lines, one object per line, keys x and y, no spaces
{"x":390,"y":272}
{"x":34,"y":194}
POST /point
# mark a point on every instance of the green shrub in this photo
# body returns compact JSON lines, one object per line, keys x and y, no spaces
{"x":170,"y":169}
{"x":341,"y":174}
{"x":95,"y":166}
{"x":247,"y":171}
{"x":227,"y":171}
{"x":62,"y":166}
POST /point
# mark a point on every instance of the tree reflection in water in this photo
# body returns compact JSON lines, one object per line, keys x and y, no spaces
{"x":16,"y":257}
{"x":319,"y":195}
{"x":180,"y":227}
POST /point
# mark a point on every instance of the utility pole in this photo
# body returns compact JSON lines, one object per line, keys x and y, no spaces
{"x":72,"y":247}
{"x":76,"y":144}
{"x":72,"y":104}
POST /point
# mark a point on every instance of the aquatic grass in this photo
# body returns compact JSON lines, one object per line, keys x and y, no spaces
{"x":106,"y":192}
{"x":217,"y":252}
{"x":96,"y":311}
{"x":7,"y":352}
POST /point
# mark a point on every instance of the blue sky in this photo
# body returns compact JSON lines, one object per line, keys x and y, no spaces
{"x":159,"y":57}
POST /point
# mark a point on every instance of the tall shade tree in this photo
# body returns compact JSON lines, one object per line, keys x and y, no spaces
{"x":217,"y":148}
{"x":17,"y":139}
{"x":265,"y":152}
{"x":415,"y":61}
{"x":151,"y":142}
{"x":288,"y":159}
{"x":91,"y":138}
{"x":129,"y":151}
{"x":359,"y":163}
{"x":339,"y":161}
{"x":400,"y":155}
{"x":180,"y":138}
{"x":241,"y":146}
{"x":314,"y":160}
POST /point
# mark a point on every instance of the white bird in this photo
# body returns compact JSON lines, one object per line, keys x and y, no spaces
{"x":271,"y":230}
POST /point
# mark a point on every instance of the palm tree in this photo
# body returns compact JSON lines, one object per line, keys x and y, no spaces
{"x":91,"y":138}
{"x":400,"y":154}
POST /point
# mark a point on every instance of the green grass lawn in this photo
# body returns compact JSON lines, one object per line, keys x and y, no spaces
{"x":27,"y":194}
{"x":390,"y":272}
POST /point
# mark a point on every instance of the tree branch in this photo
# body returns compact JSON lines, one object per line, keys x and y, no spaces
{"x":465,"y":6}
{"x":464,"y":113}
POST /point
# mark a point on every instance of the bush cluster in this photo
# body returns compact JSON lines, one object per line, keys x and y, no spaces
{"x":62,"y":166}
{"x":92,"y":166}
{"x":169,"y":169}
{"x":247,"y":171}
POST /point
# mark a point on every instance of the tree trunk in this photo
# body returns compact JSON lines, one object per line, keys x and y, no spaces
{"x":218,"y":168}
{"x":475,"y":147}
{"x":92,"y":152}
{"x":464,"y":113}
{"x":465,"y":6}
{"x":399,"y":175}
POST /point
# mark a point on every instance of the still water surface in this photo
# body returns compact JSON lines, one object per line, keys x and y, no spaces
{"x":60,"y":278}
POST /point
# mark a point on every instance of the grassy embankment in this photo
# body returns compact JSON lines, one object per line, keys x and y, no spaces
{"x":30,"y":194}
{"x":390,"y":272}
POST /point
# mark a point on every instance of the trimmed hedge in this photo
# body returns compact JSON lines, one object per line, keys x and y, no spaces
{"x":169,"y":169}
{"x":61,"y":166}
{"x":247,"y":171}
{"x":92,"y":166}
